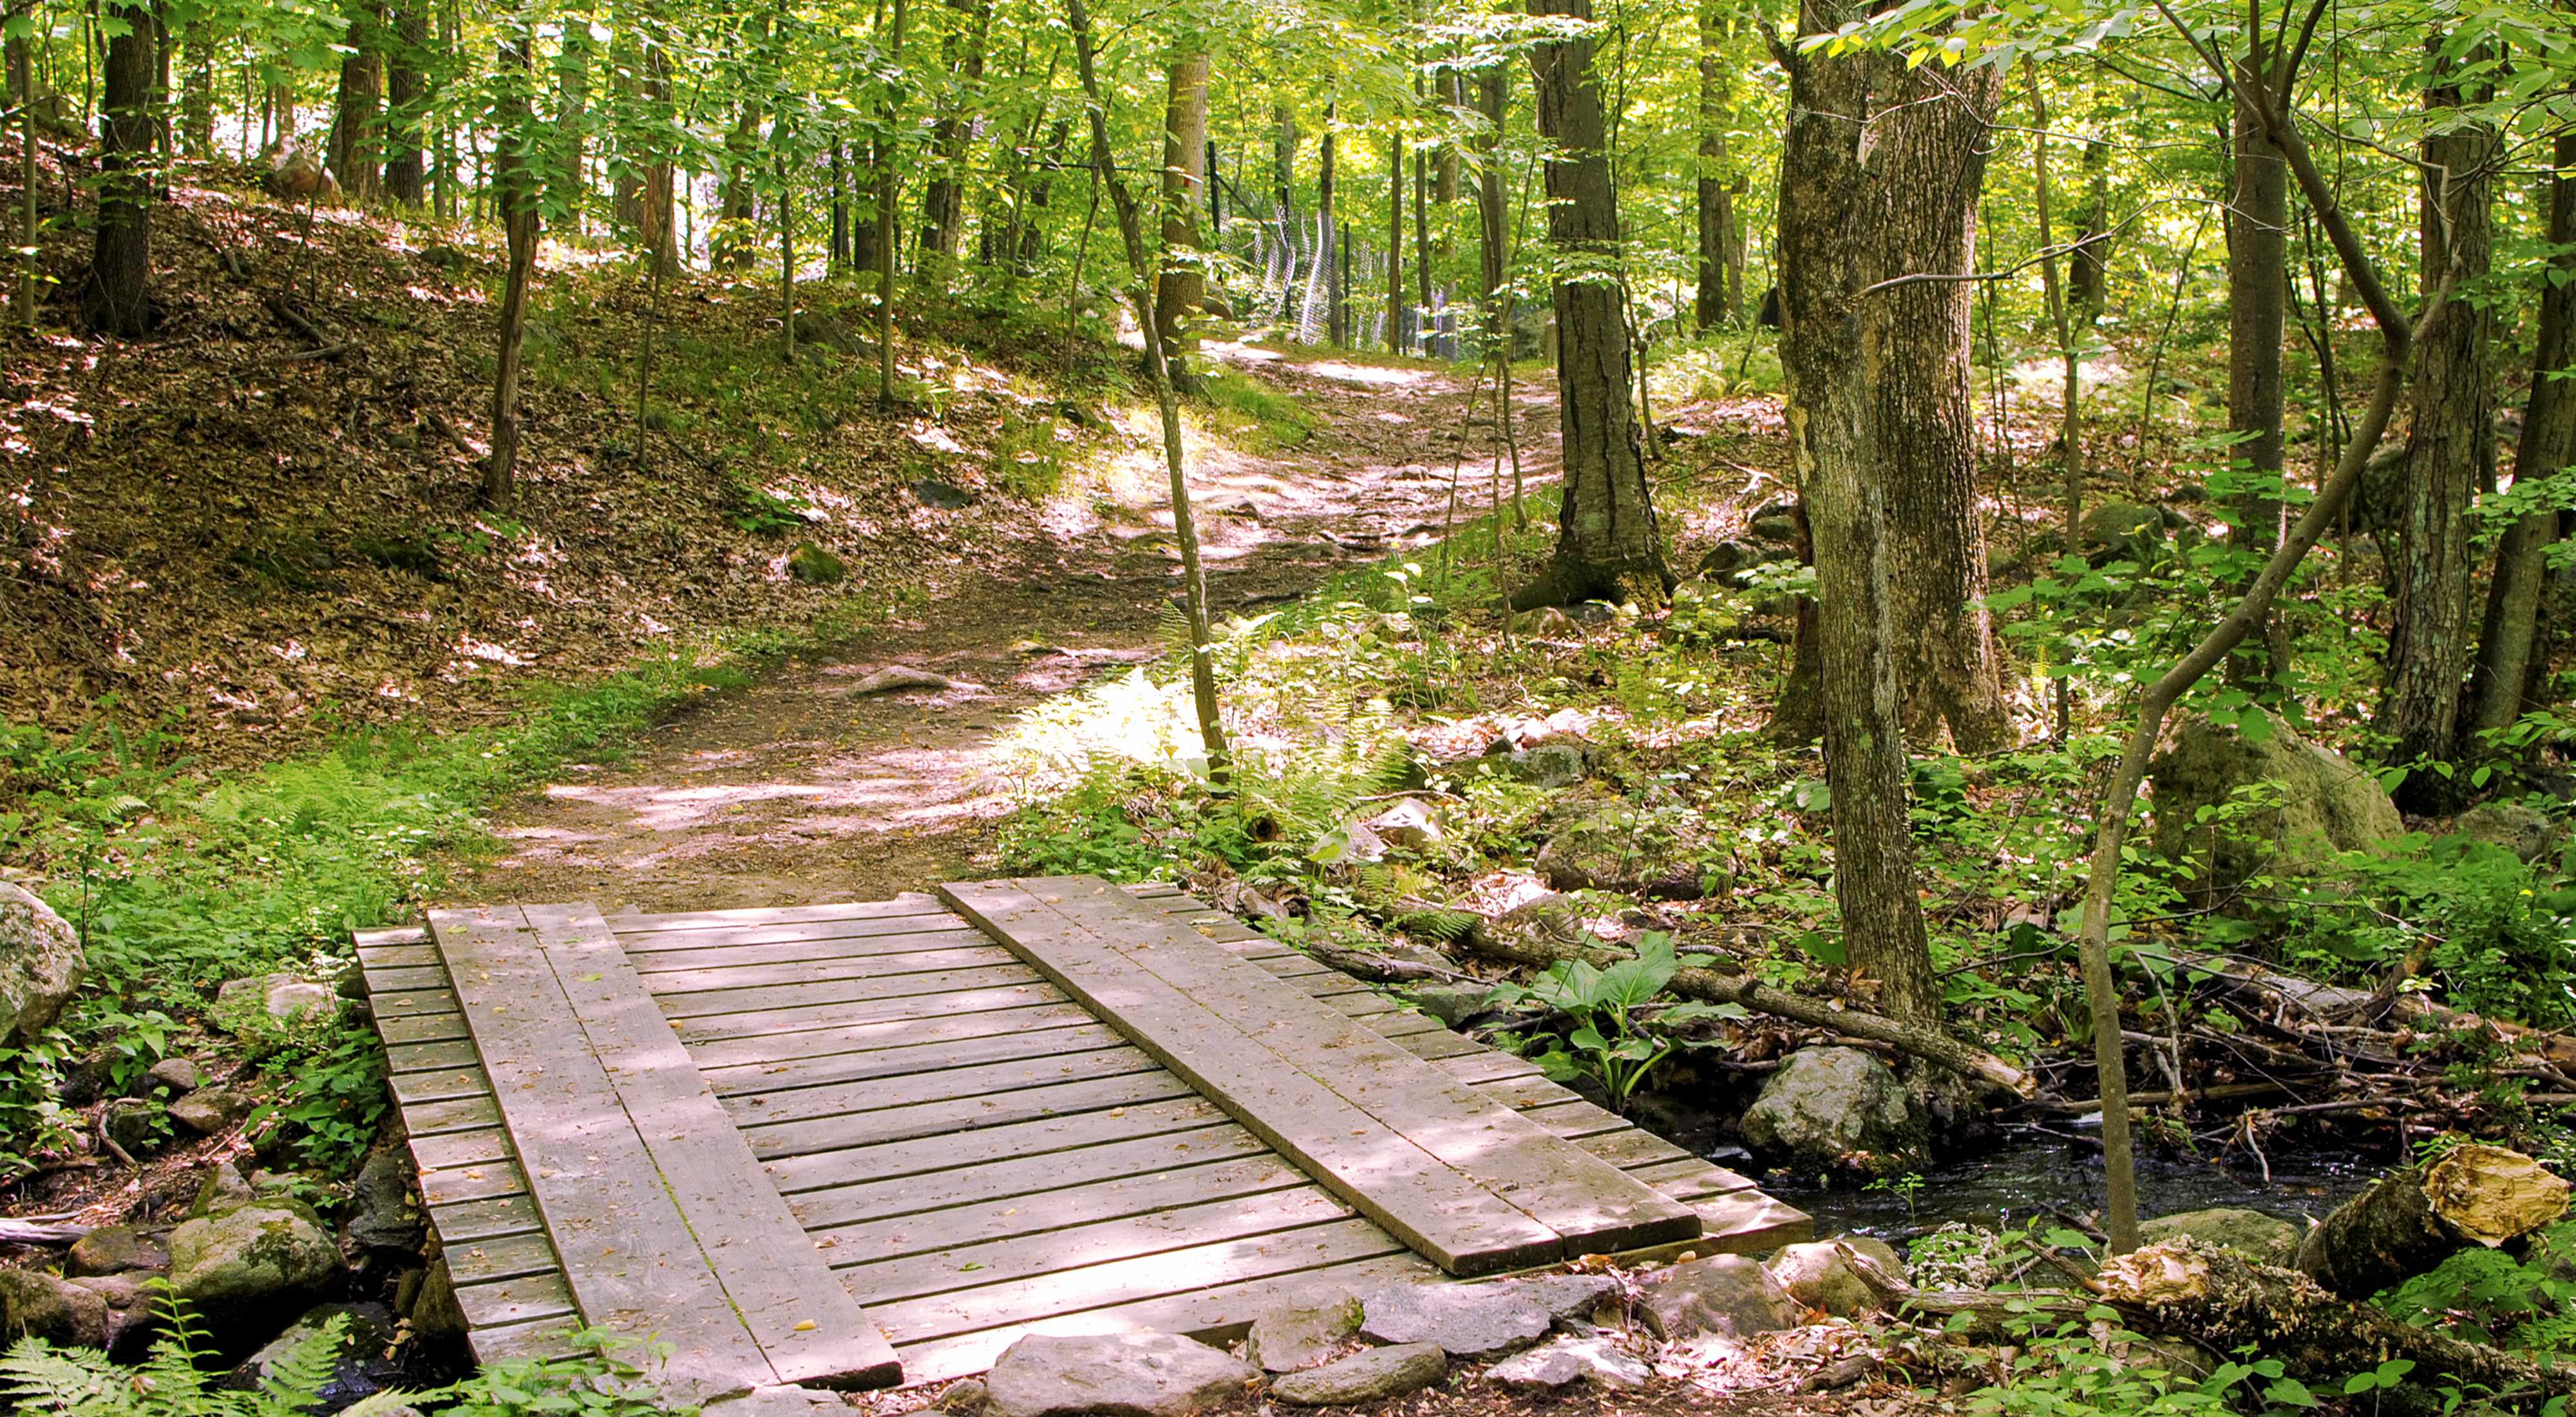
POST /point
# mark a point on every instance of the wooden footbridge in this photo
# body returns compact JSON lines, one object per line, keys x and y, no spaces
{"x":850,"y":1145}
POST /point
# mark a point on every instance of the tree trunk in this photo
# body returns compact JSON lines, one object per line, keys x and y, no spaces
{"x":1716,"y":306}
{"x":1493,"y":216}
{"x":656,"y":232}
{"x":1395,"y":306}
{"x":943,"y":200}
{"x":2089,"y":278}
{"x":1181,"y":286}
{"x":2258,"y":292}
{"x":729,"y":245}
{"x":357,"y":125}
{"x":405,"y":91}
{"x":889,"y":190}
{"x":2449,"y":455}
{"x":566,"y":184}
{"x":1608,"y":544}
{"x":197,"y":95}
{"x":1336,"y":321}
{"x":1931,"y":136}
{"x":2413,"y":1220}
{"x":2503,"y":684}
{"x":517,"y":189}
{"x":117,"y":300}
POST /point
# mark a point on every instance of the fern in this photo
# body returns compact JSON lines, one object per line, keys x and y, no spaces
{"x":172,"y":1381}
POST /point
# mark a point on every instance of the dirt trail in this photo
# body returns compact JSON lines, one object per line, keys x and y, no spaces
{"x":796,"y":790}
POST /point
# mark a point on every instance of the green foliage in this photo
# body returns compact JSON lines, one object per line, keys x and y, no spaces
{"x":2080,"y":1367}
{"x":1613,"y":1037}
{"x":178,"y":1379}
{"x":2489,"y":1296}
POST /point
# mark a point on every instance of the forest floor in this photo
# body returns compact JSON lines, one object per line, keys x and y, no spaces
{"x":798,"y":788}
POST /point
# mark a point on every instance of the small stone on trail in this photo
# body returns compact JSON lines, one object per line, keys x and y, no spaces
{"x":1372,"y":1375}
{"x":1115,"y":1375}
{"x":1568,"y":1361}
{"x":114,"y":1249}
{"x":177,"y":1074}
{"x":947,"y":496}
{"x":1299,"y":1333}
{"x":897,"y":677}
{"x":211,"y":1110}
{"x":1480,"y":1320}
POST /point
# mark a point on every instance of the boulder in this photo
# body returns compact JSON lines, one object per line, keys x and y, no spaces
{"x":814,"y":328}
{"x":224,"y":1189}
{"x":2258,"y":1237}
{"x":251,"y":1258}
{"x":815,"y":566}
{"x":34,"y":1304}
{"x":1409,"y":824}
{"x":115,"y":1249}
{"x":1136,"y":1374}
{"x":273,"y":999}
{"x":135,"y":1123}
{"x":1723,"y":1294}
{"x":434,"y":1314}
{"x":1560,"y":762}
{"x":1480,"y":1320}
{"x":946,"y":496}
{"x":383,"y":1217}
{"x":1833,"y":1108}
{"x":1567,"y":1361}
{"x":1729,"y":562}
{"x":359,"y":1367}
{"x":40,"y":964}
{"x":1606,"y":847}
{"x":1835,"y":1276}
{"x":1775,"y":524}
{"x":132,"y":1316}
{"x":1297,"y":1333}
{"x":2525,"y":831}
{"x":2326,"y":804}
{"x":1372,"y":1375}
{"x":1452,"y":1004}
{"x":2122,"y":528}
{"x":180,"y":1075}
{"x":779,"y":1400}
{"x":209,"y":1110}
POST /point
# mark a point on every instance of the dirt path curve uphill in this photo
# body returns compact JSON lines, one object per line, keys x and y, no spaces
{"x":796,"y":790}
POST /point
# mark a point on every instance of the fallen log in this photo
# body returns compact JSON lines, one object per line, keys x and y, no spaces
{"x":1930,"y":1044}
{"x":36,"y":1232}
{"x":2226,"y":1302}
{"x":2415,"y":1218}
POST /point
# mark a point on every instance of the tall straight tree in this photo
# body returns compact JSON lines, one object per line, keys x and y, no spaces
{"x":2258,"y":292}
{"x":1608,"y":544}
{"x":406,"y":95}
{"x":357,"y":124}
{"x":2450,"y":454}
{"x":1720,"y":301}
{"x":518,"y":182}
{"x":943,"y":198}
{"x":566,"y":183}
{"x":1395,"y":244}
{"x":117,"y":298}
{"x":1929,"y":134}
{"x":2504,"y":683}
{"x":1182,"y":287}
{"x":1834,"y":189}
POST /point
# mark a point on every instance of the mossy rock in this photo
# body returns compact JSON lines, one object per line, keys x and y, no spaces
{"x":815,"y":566}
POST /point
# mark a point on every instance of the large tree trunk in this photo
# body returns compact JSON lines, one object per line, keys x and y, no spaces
{"x":1181,"y":286}
{"x":1721,"y":245}
{"x":567,"y":185}
{"x":357,"y":124}
{"x":117,"y":300}
{"x":2258,"y":292}
{"x":1608,"y":544}
{"x":2450,"y":450}
{"x":2413,"y":1220}
{"x":1931,"y":137}
{"x":1493,"y":214}
{"x":2089,"y":280}
{"x":518,"y":186}
{"x":2504,"y":683}
{"x":655,"y":229}
{"x":943,"y":199}
{"x":1834,"y":192}
{"x":405,"y":92}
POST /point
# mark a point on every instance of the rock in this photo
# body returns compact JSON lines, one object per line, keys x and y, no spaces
{"x":383,"y":1216}
{"x":134,"y":1123}
{"x":1836,"y":1277}
{"x":946,"y":496}
{"x":1828,"y":1108}
{"x":1606,"y":848}
{"x":1135,"y":1374}
{"x":1353,"y":843}
{"x":439,"y":256}
{"x":2525,"y":831}
{"x":813,"y":327}
{"x":1452,"y":1004}
{"x":249,"y":1259}
{"x":898,"y":677}
{"x":966,"y":1397}
{"x":86,"y":1079}
{"x":1297,"y":1333}
{"x":2258,"y":1237}
{"x":34,"y":1304}
{"x":1372,"y":1375}
{"x":115,"y":1249}
{"x":1775,"y":525}
{"x":40,"y":963}
{"x":1409,"y":824}
{"x":2123,"y":528}
{"x":815,"y":566}
{"x":1558,"y":762}
{"x":224,"y":1189}
{"x":210,"y":1110}
{"x":295,"y":176}
{"x":360,"y":1366}
{"x":1479,"y":1320}
{"x":434,"y":1315}
{"x":1567,"y":1361}
{"x":132,"y":1312}
{"x":2326,"y":804}
{"x":272,"y":999}
{"x":777,"y":1400}
{"x":1723,"y":1294}
{"x":177,"y":1074}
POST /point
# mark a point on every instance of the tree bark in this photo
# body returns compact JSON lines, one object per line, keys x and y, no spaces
{"x":889,"y":189}
{"x":2089,"y":277}
{"x":2414,"y":1219}
{"x":2449,"y":456}
{"x":943,"y":198}
{"x":518,"y":186}
{"x":1608,"y":544}
{"x":117,"y":299}
{"x":656,"y":232}
{"x":1719,"y":304}
{"x":405,"y":91}
{"x":2258,"y":292}
{"x":1932,"y":131}
{"x":197,"y":94}
{"x":567,"y":185}
{"x":357,"y":125}
{"x":729,"y":245}
{"x":1395,"y":303}
{"x":1181,"y":286}
{"x":1493,"y":217}
{"x":2504,"y":683}
{"x":1336,"y":319}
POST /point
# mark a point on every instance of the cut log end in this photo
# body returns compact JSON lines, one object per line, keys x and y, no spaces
{"x":2491,"y":1195}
